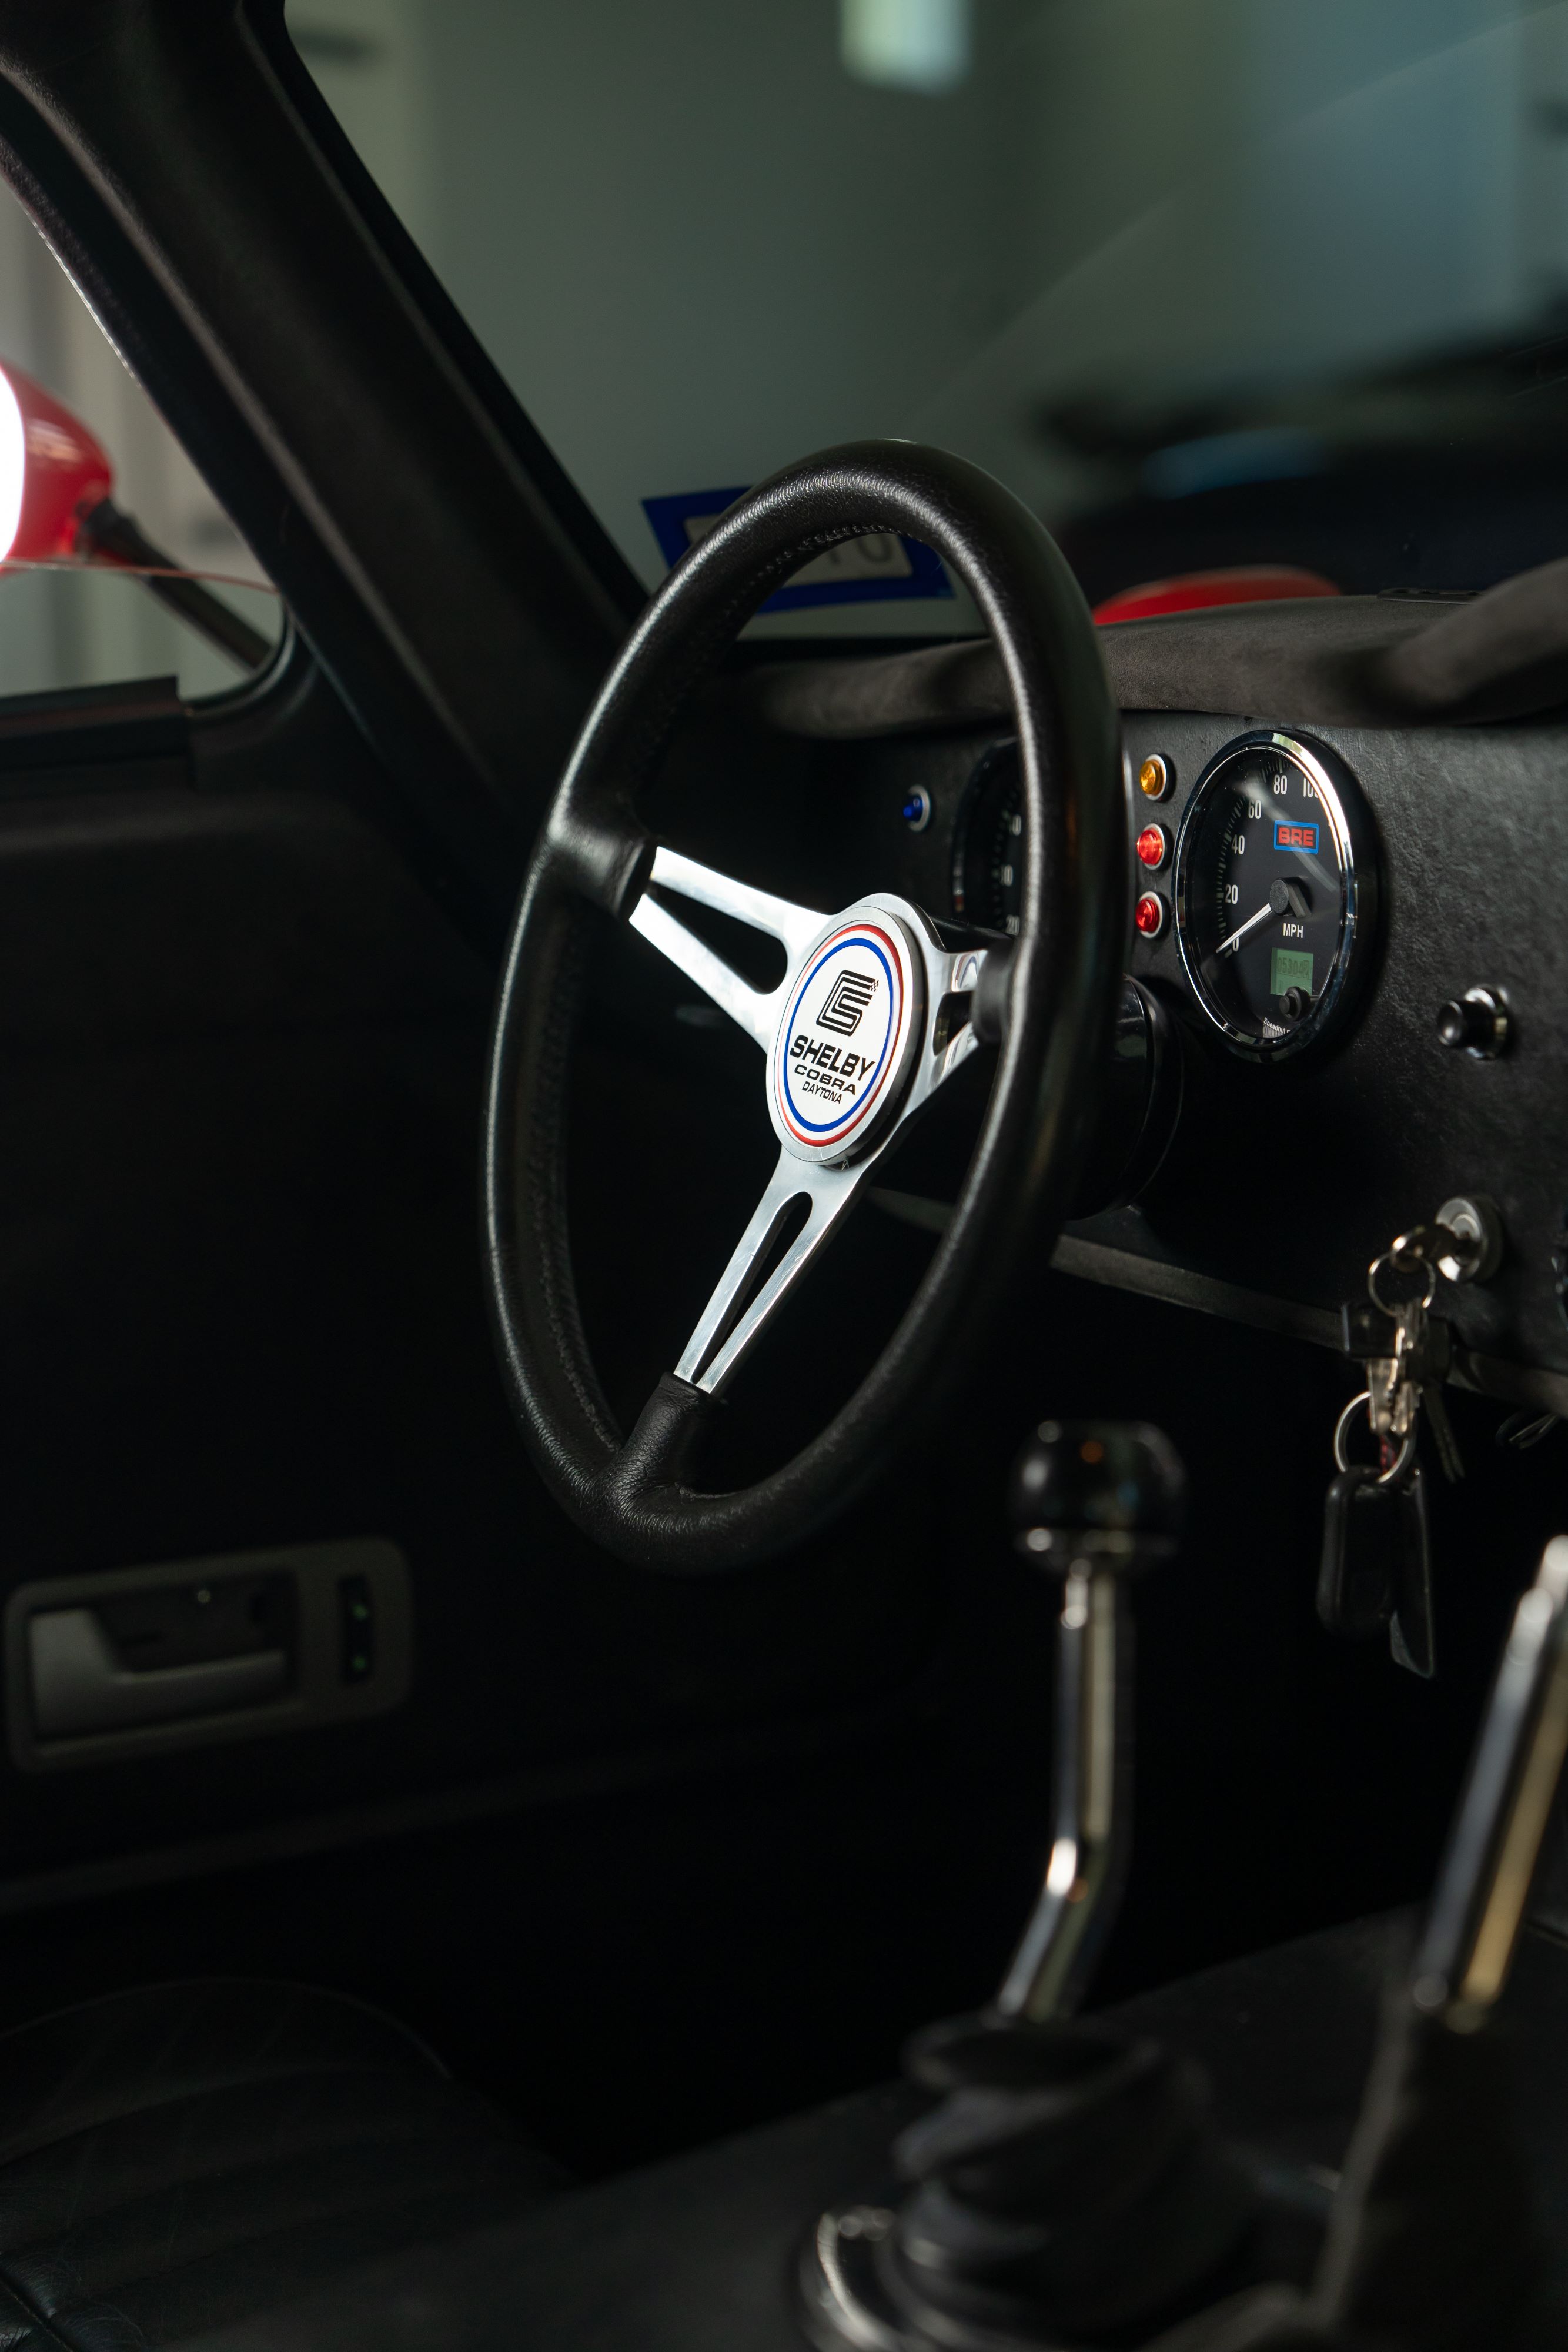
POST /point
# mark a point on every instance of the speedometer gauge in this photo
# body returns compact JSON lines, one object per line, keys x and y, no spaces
{"x":1276,"y":891}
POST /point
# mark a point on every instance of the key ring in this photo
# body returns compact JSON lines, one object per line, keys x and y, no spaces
{"x":1401,"y":1460}
{"x":1376,"y":1268}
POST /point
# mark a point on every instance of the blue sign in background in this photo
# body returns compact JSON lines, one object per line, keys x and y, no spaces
{"x":924,"y":575}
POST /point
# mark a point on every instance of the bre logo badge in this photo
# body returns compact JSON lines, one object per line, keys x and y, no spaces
{"x":844,"y":1003}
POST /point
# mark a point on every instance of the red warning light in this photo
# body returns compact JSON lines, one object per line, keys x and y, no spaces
{"x":1150,"y":845}
{"x":1149,"y":915}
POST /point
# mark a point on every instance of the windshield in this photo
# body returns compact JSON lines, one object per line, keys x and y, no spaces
{"x":1208,"y":282}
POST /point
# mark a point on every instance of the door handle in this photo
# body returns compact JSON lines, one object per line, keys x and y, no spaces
{"x":79,"y":1686}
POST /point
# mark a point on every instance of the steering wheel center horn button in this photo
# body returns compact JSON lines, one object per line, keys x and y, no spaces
{"x":841,"y":1051}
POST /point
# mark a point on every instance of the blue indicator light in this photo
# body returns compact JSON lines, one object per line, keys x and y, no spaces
{"x":1301,"y":837}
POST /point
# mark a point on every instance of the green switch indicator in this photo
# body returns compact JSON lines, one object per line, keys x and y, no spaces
{"x":356,"y":1629}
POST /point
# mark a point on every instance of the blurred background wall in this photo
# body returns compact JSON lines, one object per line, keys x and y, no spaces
{"x":705,"y":238}
{"x":1100,"y":245}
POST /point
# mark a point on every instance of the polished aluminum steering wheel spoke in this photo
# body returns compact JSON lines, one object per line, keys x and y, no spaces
{"x":951,"y":981}
{"x":805,"y":1198}
{"x":794,"y":1217}
{"x":755,"y":1010}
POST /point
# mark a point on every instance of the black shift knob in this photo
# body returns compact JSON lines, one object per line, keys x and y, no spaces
{"x":1102,"y":1479}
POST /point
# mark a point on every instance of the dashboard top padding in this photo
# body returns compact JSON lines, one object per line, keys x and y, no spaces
{"x":1367,"y":661}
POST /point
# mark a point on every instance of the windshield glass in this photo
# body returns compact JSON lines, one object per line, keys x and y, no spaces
{"x":1208,"y":282}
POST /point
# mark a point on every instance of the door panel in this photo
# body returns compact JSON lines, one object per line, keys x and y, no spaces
{"x":241,"y":1057}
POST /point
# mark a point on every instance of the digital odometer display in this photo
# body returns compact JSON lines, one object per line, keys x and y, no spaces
{"x":1275,"y":884}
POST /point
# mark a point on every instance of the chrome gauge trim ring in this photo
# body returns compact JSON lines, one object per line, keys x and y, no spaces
{"x":1355,"y":843}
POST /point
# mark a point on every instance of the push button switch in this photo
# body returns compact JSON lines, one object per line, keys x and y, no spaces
{"x":356,"y":1629}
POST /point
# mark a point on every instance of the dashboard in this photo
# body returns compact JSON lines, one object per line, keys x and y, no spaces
{"x":1271,"y":879}
{"x":1356,"y":937}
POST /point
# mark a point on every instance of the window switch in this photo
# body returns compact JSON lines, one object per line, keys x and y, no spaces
{"x":356,"y":1629}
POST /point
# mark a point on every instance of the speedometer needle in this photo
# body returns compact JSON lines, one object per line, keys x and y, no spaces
{"x":1282,"y":900}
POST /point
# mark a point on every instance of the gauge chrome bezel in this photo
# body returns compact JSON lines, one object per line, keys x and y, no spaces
{"x":1355,"y":840}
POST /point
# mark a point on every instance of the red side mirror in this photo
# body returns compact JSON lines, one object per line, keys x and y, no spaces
{"x":55,"y":482}
{"x":52,"y":471}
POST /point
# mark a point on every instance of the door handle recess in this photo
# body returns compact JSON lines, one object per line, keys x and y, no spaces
{"x":80,"y":1685}
{"x":192,"y":1653}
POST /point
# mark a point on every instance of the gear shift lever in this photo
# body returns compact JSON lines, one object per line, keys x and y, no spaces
{"x":1068,"y":2186}
{"x":1093,"y":1502}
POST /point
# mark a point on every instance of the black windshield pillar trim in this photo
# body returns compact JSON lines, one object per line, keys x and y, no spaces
{"x":446,"y":577}
{"x":589,"y":544}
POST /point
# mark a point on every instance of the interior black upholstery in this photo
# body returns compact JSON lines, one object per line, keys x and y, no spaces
{"x":183,"y":2155}
{"x":695,"y":2254}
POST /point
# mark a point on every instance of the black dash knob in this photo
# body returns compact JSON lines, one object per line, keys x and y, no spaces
{"x":1475,"y":1024}
{"x":1100,"y":1479}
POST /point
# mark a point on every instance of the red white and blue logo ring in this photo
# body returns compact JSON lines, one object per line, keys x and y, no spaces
{"x":847,"y":1044}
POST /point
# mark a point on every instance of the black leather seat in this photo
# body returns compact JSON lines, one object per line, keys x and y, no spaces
{"x":178,"y":2157}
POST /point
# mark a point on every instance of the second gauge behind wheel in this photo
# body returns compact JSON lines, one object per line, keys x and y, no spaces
{"x":988,"y":844}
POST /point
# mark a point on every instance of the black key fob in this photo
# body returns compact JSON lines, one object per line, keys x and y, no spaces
{"x":1410,"y":1634}
{"x":1358,"y":1582}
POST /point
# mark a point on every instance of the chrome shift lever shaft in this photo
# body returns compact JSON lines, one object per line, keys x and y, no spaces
{"x":1472,"y":1925}
{"x":1068,"y":2186}
{"x":1093,"y":1502}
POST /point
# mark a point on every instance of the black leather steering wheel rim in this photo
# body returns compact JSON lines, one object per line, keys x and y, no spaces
{"x":590,"y":867}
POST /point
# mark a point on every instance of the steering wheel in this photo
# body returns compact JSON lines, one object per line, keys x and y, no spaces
{"x":876,"y":1011}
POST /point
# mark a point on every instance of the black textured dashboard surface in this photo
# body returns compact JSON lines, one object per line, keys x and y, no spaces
{"x":1289,"y":1180}
{"x":1282,"y":1183}
{"x":1285,"y":1182}
{"x":1377,"y":661}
